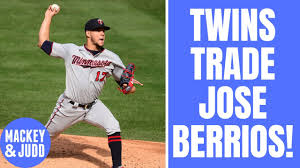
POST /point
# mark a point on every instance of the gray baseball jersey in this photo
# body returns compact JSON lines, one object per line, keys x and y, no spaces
{"x":86,"y":75}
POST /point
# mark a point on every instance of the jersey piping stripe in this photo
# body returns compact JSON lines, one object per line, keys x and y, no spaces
{"x":114,"y":140}
{"x":51,"y":48}
{"x":93,"y":53}
{"x":55,"y":113}
{"x":110,"y":137}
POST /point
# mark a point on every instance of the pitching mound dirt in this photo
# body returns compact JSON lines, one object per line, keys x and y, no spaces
{"x":70,"y":151}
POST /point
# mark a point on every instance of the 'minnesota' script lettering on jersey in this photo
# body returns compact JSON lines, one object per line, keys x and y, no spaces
{"x":87,"y":63}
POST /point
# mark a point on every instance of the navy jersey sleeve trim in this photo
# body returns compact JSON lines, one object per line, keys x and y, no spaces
{"x":47,"y":47}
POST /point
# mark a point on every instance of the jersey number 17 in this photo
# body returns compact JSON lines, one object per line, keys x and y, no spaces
{"x":98,"y":74}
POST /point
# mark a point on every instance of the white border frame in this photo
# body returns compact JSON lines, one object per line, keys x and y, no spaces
{"x":167,"y":80}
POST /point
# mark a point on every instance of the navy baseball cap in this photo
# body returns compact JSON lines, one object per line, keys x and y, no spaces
{"x":94,"y":24}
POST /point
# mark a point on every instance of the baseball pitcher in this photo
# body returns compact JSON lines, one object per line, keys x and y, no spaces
{"x":87,"y":69}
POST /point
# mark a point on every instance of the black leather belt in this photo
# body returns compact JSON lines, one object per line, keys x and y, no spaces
{"x":85,"y":106}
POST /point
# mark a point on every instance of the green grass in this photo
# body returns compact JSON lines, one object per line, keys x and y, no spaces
{"x":31,"y":81}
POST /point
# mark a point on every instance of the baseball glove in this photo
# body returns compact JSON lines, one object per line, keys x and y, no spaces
{"x":126,"y":78}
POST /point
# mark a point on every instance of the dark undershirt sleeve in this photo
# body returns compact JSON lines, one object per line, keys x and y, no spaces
{"x":47,"y":47}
